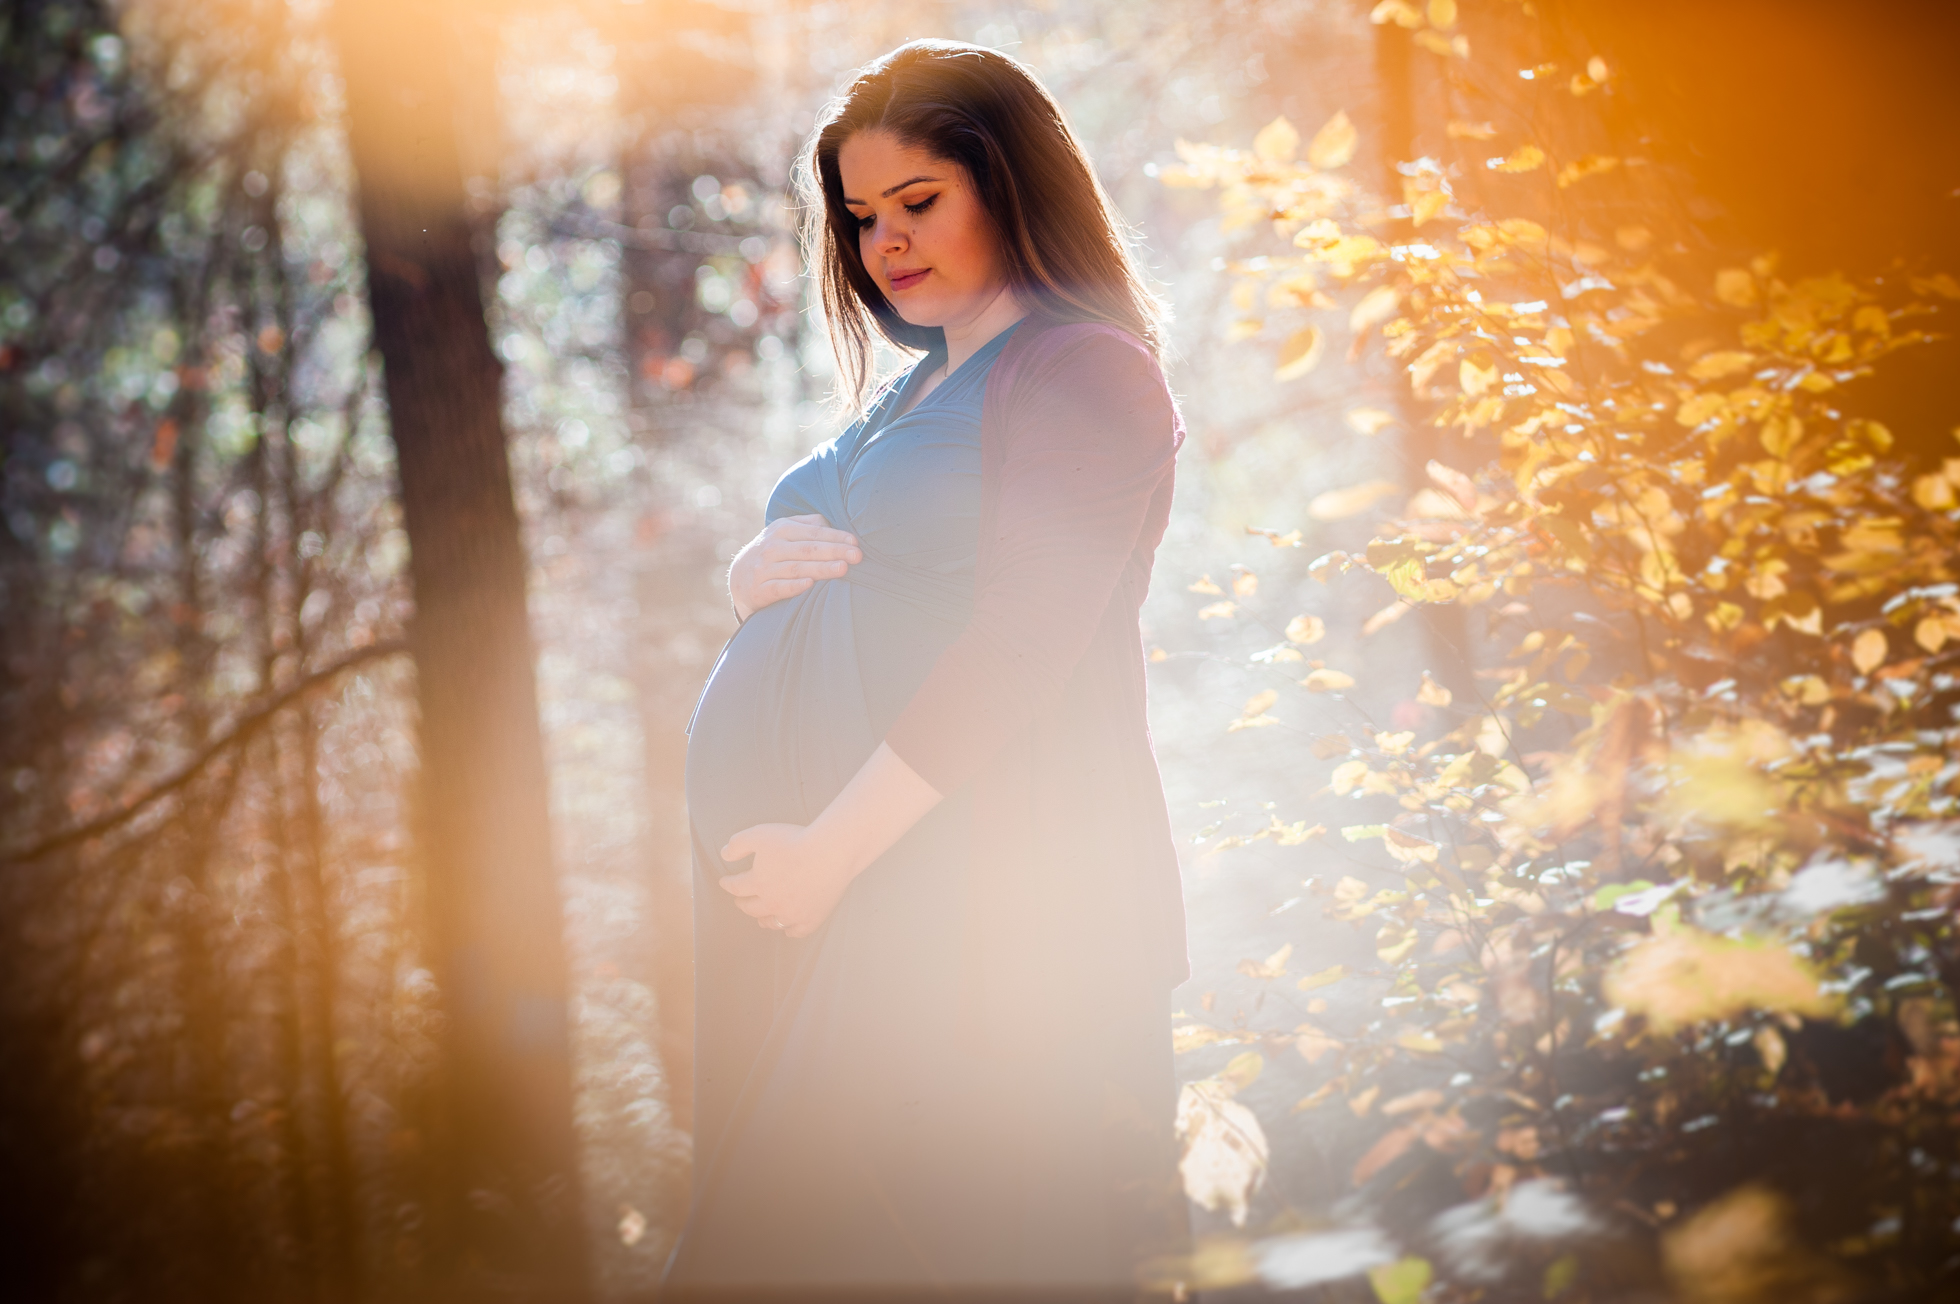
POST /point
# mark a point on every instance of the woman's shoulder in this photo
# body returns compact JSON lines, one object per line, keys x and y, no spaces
{"x":1082,"y":363}
{"x":1052,"y":340}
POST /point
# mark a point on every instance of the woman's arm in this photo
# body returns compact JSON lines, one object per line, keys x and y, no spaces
{"x":1075,"y":493}
{"x":1094,"y":442}
{"x":800,"y":872}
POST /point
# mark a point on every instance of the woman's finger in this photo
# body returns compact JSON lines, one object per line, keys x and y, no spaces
{"x":809,"y":550}
{"x":776,"y":590}
{"x":741,"y":885}
{"x":780,"y":533}
{"x":795,"y":570}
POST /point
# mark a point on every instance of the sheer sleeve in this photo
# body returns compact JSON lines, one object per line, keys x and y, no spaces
{"x":1088,"y":435}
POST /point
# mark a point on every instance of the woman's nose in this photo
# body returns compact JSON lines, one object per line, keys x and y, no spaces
{"x":890,"y":239}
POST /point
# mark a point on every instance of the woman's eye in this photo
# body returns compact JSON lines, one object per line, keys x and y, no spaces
{"x":922,"y":205}
{"x":864,"y":223}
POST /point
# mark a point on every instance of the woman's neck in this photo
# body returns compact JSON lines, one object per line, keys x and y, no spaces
{"x":964,"y":339}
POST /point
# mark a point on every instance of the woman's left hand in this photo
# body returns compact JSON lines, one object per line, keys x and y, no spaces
{"x":795,"y":881}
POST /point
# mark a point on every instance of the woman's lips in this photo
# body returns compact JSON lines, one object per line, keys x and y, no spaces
{"x":906,"y":280}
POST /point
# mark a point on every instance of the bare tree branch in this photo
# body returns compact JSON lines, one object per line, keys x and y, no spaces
{"x":241,"y":730}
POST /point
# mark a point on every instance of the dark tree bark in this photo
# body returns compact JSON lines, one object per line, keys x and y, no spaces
{"x":508,"y":1217}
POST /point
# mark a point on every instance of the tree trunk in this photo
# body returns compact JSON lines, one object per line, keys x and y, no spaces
{"x":508,"y":1212}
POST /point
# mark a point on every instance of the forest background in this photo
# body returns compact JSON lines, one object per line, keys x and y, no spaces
{"x":1549,"y":652}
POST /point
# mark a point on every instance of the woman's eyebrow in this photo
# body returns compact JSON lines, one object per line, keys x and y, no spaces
{"x":894,"y":190}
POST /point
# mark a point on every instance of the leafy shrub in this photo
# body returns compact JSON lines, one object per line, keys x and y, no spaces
{"x":1668,"y":977}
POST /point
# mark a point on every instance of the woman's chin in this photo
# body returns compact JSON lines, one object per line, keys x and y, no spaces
{"x":921,"y":315}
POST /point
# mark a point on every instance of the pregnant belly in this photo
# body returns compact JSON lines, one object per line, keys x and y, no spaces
{"x":799,"y":700}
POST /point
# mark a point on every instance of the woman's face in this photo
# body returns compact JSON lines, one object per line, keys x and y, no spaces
{"x":921,"y":230}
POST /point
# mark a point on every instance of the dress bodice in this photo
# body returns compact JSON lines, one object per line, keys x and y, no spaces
{"x":907,"y":484}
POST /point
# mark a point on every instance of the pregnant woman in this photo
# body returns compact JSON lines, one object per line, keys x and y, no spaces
{"x":936,"y":901}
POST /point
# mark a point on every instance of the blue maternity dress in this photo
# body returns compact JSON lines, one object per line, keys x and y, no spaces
{"x":848,"y":1137}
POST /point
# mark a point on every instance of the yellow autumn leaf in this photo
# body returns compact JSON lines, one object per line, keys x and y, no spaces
{"x":1403,"y":13}
{"x":1474,"y":379}
{"x":1404,"y":1281}
{"x":1243,"y":329}
{"x":1191,"y":1036}
{"x":1735,"y":287}
{"x":1244,"y":584}
{"x":1218,"y":611}
{"x":1432,"y":693}
{"x":1260,"y":703}
{"x":1225,"y":1151}
{"x":1869,"y":650}
{"x":1277,"y":141}
{"x":1525,"y":158}
{"x":1305,"y":629}
{"x":1457,"y":46}
{"x":1700,"y":408}
{"x":1685,"y":976}
{"x":1933,"y":492}
{"x":1427,"y":205}
{"x":1300,"y":354}
{"x":1399,"y":608}
{"x":1204,"y":584}
{"x":1369,"y":421}
{"x":1324,"y":978}
{"x":1274,"y":965}
{"x":1470,"y":131}
{"x":1442,"y":13}
{"x":1375,"y":307}
{"x":1714,"y":366}
{"x":1300,"y":290}
{"x":1324,"y":680}
{"x":1333,"y":145}
{"x":1930,"y":633}
{"x":1339,"y":504}
{"x":1589,"y":165}
{"x":1311,"y":1042}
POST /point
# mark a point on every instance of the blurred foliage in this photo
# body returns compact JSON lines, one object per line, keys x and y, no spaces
{"x":1662,"y":905}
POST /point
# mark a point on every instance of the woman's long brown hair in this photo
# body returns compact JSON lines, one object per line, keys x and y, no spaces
{"x":1060,"y":237}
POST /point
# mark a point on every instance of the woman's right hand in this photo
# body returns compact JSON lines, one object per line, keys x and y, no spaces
{"x":791,"y":554}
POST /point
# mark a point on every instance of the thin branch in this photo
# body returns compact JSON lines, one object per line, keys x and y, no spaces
{"x":240,"y":731}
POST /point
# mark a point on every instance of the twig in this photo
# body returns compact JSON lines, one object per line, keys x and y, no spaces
{"x":241,"y":730}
